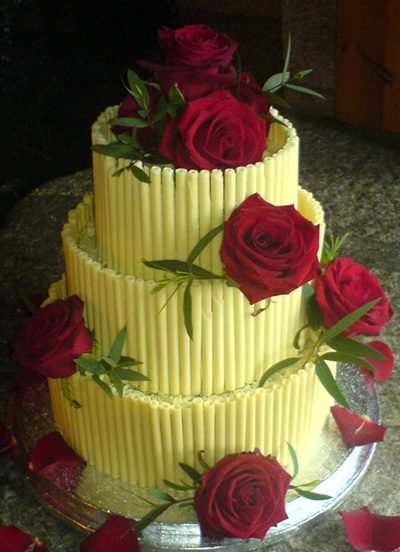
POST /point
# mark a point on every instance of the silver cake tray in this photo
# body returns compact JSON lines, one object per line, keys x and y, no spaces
{"x":338,"y":466}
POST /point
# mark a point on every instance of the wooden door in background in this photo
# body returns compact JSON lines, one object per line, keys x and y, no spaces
{"x":368,"y":63}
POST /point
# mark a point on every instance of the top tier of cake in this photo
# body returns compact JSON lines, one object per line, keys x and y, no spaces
{"x":165,"y":220}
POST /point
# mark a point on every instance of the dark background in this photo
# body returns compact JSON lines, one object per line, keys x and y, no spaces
{"x":62,"y":64}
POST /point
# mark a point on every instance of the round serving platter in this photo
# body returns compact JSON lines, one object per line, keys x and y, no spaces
{"x":338,"y":467}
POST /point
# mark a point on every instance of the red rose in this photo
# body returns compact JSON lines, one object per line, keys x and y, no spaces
{"x":250,"y":93}
{"x":242,"y":496}
{"x":269,"y":250}
{"x":347,"y":286}
{"x":52,"y":338}
{"x":115,"y":534}
{"x":196,"y":45}
{"x":194,"y":82}
{"x":214,"y":132}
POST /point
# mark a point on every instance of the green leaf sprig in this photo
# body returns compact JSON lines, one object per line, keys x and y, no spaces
{"x":127,"y":146}
{"x":331,"y":248}
{"x":185,"y":273}
{"x":286,"y":80}
{"x":345,"y":349}
{"x":115,"y":366}
{"x":304,"y":489}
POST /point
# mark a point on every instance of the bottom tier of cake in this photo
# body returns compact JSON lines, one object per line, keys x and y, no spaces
{"x":141,"y":437}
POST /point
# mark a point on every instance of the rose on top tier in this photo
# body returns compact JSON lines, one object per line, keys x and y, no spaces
{"x":347,"y":286}
{"x":215,"y":132}
{"x":269,"y":250}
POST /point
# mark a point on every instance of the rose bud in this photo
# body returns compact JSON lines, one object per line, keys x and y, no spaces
{"x":369,"y":532}
{"x":357,"y":429}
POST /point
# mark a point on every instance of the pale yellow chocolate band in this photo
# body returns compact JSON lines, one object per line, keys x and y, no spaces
{"x":141,"y":438}
{"x":165,"y":219}
{"x":230,"y":347}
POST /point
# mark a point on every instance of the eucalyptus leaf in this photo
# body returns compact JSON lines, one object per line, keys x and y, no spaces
{"x":187,"y":309}
{"x":348,"y":345}
{"x":328,"y":381}
{"x":118,"y":344}
{"x":150,"y":517}
{"x":191,"y":472}
{"x":315,"y":314}
{"x":109,"y":362}
{"x":276,"y":368}
{"x":138,"y":89}
{"x":202,"y":462}
{"x":140,"y":174}
{"x":295,"y":461}
{"x":89,"y":364}
{"x":275,"y":99}
{"x":130,"y":122}
{"x":125,"y":361}
{"x":348,"y":320}
{"x":301,"y":74}
{"x":66,"y":389}
{"x":304,"y":90}
{"x":176,"y":487}
{"x":288,"y":52}
{"x":347,"y":358}
{"x":161,"y":495}
{"x":130,"y":375}
{"x":117,"y":150}
{"x":310,"y":494}
{"x":169,"y":265}
{"x":203,"y":242}
{"x":116,"y":381}
{"x":103,"y":385}
{"x":276,"y":81}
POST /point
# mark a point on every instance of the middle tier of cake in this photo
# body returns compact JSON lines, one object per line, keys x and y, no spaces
{"x":230,"y":348}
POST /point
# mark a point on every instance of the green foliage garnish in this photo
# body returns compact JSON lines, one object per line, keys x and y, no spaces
{"x":115,"y":366}
{"x":345,"y":350}
{"x":286,"y":80}
{"x":331,"y":248}
{"x":185,"y":273}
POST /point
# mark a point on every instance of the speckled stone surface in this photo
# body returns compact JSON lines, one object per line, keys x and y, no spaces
{"x":356,"y":175}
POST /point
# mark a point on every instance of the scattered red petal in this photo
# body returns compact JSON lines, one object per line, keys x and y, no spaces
{"x":383,"y":368}
{"x":13,"y":539}
{"x":53,"y":457}
{"x":367,"y":531}
{"x":357,"y":429}
{"x":115,"y":535}
{"x":7,"y":440}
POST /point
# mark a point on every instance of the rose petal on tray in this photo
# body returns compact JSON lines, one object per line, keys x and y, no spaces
{"x":383,"y":368}
{"x":367,"y":531}
{"x":53,"y":457}
{"x":357,"y":429}
{"x":13,"y":539}
{"x":115,"y":535}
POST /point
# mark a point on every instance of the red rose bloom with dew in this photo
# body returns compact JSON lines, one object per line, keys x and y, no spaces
{"x":217,"y":131}
{"x":269,"y":250}
{"x":52,"y":338}
{"x":242,"y":496}
{"x":345,"y":287}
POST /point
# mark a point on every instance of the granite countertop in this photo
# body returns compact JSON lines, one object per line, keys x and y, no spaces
{"x":355,"y":173}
